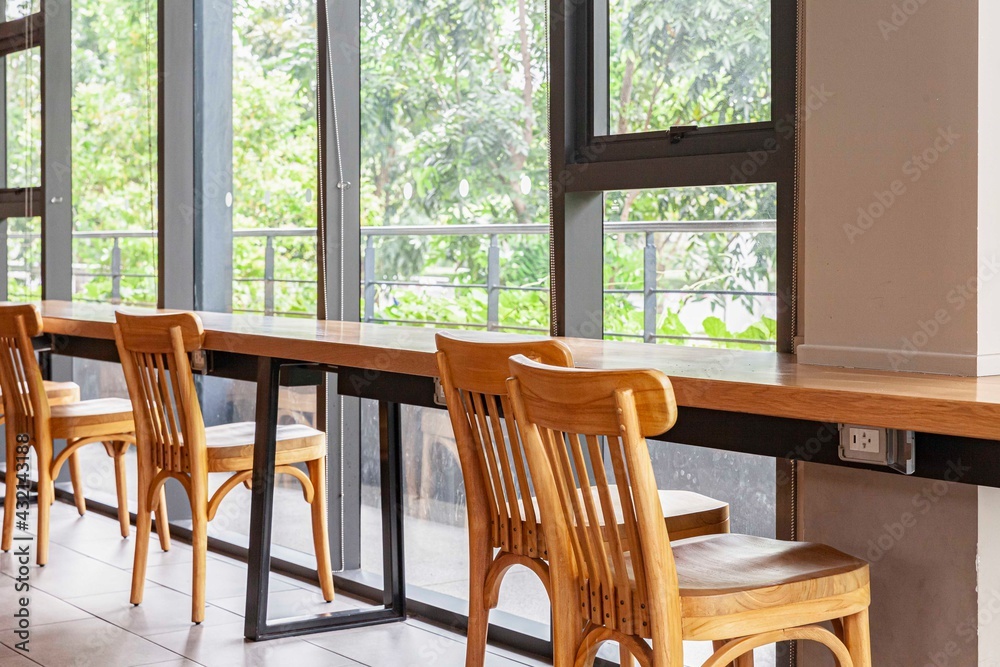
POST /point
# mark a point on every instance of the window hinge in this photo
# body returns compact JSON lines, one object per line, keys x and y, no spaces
{"x":678,"y":132}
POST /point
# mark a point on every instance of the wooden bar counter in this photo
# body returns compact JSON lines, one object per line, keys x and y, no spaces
{"x":760,"y":383}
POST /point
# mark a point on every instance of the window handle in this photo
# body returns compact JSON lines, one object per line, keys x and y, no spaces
{"x":678,"y":132}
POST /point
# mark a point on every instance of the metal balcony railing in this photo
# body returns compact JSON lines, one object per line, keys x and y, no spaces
{"x":494,"y":286}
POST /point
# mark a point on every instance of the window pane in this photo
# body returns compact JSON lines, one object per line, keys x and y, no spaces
{"x":455,"y":210}
{"x":24,"y":258}
{"x":274,"y":221}
{"x":692,"y":266}
{"x":274,"y":157}
{"x":454,"y":144}
{"x":685,"y":62}
{"x":114,"y":151}
{"x":19,"y":8}
{"x":24,"y":118}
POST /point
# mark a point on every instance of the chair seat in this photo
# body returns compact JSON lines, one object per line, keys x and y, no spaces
{"x":687,"y":514}
{"x":726,"y":575}
{"x":102,"y":416}
{"x":59,"y":393}
{"x":230,"y":446}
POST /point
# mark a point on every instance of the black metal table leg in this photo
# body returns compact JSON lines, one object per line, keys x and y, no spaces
{"x":391,"y":459}
{"x":257,"y":627}
{"x":262,"y":498}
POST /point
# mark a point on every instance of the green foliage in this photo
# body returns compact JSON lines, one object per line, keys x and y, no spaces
{"x":274,"y":148}
{"x":453,"y":96}
{"x":705,"y":62}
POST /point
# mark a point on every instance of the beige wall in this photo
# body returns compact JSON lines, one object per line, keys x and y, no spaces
{"x":920,"y":536}
{"x":989,"y":171}
{"x":912,"y":285}
{"x":901,"y":98}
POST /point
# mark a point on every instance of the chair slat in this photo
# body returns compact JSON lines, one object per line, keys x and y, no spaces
{"x":509,"y":487}
{"x":496,"y":474}
{"x":529,"y":518}
{"x":623,"y":593}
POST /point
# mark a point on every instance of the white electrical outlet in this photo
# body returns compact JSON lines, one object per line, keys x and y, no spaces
{"x":878,"y":446}
{"x":867,"y":440}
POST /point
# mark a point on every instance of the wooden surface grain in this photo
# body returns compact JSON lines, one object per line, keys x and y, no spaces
{"x":761,"y":383}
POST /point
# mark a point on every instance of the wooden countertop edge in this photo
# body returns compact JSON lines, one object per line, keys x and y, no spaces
{"x":916,"y":413}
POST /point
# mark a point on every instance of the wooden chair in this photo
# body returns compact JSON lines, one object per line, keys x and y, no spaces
{"x":28,"y":409}
{"x":173,"y":442}
{"x":497,"y":483}
{"x":637,"y":586}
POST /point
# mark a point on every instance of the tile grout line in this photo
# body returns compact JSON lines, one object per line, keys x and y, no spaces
{"x":22,"y":655}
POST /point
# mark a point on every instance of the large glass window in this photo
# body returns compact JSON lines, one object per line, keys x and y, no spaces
{"x":114,"y":159}
{"x":114,"y":151}
{"x":23,"y":70}
{"x":19,"y":8}
{"x":455,"y":212}
{"x":274,"y":209}
{"x":274,"y":157}
{"x":23,"y":238}
{"x":688,"y":62}
{"x":454,"y":167}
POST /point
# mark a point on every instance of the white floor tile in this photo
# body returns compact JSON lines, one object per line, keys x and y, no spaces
{"x":225,"y":646}
{"x":222,"y":580}
{"x":42,"y":607}
{"x":11,"y":658}
{"x":162,"y":610}
{"x":89,"y":643}
{"x":290,"y":603}
{"x":402,"y":645}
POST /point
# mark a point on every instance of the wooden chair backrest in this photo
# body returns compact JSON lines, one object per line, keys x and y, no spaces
{"x":26,"y":406}
{"x":574,"y":423}
{"x":154,"y":353}
{"x":474,"y":379}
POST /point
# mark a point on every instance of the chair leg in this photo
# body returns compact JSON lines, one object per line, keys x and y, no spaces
{"x":480,"y":557}
{"x":76,"y":477}
{"x":199,"y":542}
{"x":121,"y":487}
{"x":624,"y":657}
{"x":10,"y":500}
{"x":46,"y":493}
{"x":162,"y":522}
{"x":857,"y":637}
{"x":321,"y":536}
{"x":143,"y":525}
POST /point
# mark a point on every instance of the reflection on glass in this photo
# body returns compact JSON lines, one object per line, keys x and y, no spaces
{"x":24,"y":118}
{"x":24,"y":258}
{"x":684,"y":62}
{"x":454,"y":138}
{"x":274,"y":156}
{"x":707,"y":256}
{"x":114,"y":151}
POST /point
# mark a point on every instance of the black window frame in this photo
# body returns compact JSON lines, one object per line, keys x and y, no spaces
{"x":586,"y":164}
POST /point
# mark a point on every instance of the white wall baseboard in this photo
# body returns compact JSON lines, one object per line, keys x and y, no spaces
{"x":919,"y":361}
